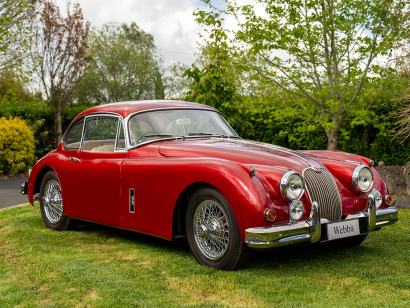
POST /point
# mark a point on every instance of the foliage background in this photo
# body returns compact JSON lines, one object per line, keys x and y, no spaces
{"x":16,"y":145}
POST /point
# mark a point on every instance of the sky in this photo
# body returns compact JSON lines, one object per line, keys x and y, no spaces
{"x":170,"y":22}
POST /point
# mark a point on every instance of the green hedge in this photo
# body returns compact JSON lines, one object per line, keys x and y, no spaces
{"x":41,"y":119}
{"x":273,"y":124}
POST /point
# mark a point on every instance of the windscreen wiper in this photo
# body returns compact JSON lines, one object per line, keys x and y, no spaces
{"x":206,"y":134}
{"x":164,"y":135}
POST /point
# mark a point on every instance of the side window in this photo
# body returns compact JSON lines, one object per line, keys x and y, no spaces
{"x":100,"y":134}
{"x":73,"y":139}
{"x":121,"y":138}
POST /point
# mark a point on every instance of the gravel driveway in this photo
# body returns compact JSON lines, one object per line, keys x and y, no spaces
{"x":10,"y":192}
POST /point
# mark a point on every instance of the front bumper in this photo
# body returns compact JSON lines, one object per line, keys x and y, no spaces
{"x":311,"y":230}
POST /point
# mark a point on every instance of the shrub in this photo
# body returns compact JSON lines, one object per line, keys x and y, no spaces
{"x":41,"y":120}
{"x":16,"y":146}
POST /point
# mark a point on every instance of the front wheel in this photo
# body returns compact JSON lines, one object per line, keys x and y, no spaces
{"x":51,"y":204}
{"x":212,"y":232}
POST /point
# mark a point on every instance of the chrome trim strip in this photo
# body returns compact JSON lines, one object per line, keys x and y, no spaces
{"x":276,"y":147}
{"x":310,"y":230}
{"x":132,"y":200}
{"x":286,"y":234}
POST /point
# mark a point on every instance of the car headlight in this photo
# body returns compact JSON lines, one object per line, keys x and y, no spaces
{"x":362,"y":178}
{"x":292,"y":186}
{"x":296,"y":210}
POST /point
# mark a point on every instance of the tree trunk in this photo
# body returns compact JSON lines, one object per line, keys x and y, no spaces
{"x":332,"y":139}
{"x":333,"y":134}
{"x":59,"y":126}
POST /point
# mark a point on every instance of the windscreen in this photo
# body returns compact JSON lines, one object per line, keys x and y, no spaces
{"x":152,"y":125}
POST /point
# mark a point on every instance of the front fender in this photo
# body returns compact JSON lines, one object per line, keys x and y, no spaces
{"x":52,"y":161}
{"x":158,"y":184}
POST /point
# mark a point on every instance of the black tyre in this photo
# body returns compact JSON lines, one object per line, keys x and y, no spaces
{"x":51,"y":204}
{"x":212,"y":232}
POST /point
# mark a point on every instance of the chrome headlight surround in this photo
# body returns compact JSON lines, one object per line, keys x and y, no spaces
{"x":284,"y":185}
{"x":358,"y":179}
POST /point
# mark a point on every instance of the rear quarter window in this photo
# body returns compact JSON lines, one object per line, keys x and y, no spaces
{"x":73,"y":139}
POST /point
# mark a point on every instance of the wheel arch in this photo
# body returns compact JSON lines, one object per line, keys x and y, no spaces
{"x":179,"y":214}
{"x":40,"y":177}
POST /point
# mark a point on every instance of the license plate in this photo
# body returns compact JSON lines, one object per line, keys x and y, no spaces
{"x":343,"y":229}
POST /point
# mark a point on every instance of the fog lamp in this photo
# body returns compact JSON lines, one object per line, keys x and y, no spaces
{"x":296,"y":210}
{"x":270,"y":215}
{"x":377,"y":198}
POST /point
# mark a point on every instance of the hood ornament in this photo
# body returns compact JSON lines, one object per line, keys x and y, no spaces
{"x":316,"y":168}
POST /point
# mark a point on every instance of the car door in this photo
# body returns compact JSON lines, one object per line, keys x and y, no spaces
{"x":94,"y":171}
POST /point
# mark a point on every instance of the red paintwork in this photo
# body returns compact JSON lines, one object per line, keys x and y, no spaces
{"x":126,"y":108}
{"x":97,"y":188}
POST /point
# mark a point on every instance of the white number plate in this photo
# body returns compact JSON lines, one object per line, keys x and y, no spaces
{"x":343,"y":229}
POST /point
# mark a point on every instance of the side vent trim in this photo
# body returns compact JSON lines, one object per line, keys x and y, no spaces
{"x":132,"y":200}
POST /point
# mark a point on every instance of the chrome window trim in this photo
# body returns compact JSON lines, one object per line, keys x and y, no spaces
{"x":100,"y":114}
{"x":355,"y":178}
{"x":116,"y":148}
{"x":83,"y":116}
{"x":284,"y":181}
{"x":127,"y":118}
{"x":63,"y":139}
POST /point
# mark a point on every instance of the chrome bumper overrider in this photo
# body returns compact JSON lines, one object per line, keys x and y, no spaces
{"x":310,"y":230}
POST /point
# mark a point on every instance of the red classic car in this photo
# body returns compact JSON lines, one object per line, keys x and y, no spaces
{"x":173,"y":169}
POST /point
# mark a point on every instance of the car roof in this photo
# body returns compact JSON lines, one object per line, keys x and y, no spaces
{"x":126,"y":108}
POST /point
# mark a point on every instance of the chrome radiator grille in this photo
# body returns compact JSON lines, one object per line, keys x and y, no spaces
{"x":321,"y":187}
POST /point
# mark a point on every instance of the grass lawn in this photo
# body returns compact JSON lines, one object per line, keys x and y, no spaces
{"x":98,"y":266}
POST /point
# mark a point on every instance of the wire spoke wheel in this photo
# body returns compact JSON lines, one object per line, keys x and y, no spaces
{"x":53,"y":201}
{"x":211,"y":229}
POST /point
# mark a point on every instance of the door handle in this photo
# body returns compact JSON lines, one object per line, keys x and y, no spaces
{"x":73,"y":159}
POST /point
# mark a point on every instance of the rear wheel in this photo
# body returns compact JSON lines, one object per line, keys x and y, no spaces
{"x":212,"y":232}
{"x":51,"y":204}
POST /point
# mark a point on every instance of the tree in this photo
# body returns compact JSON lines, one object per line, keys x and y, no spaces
{"x":328,"y":48}
{"x":215,"y":84}
{"x":16,"y":20}
{"x":176,"y":85}
{"x":125,"y":66}
{"x":60,"y":53}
